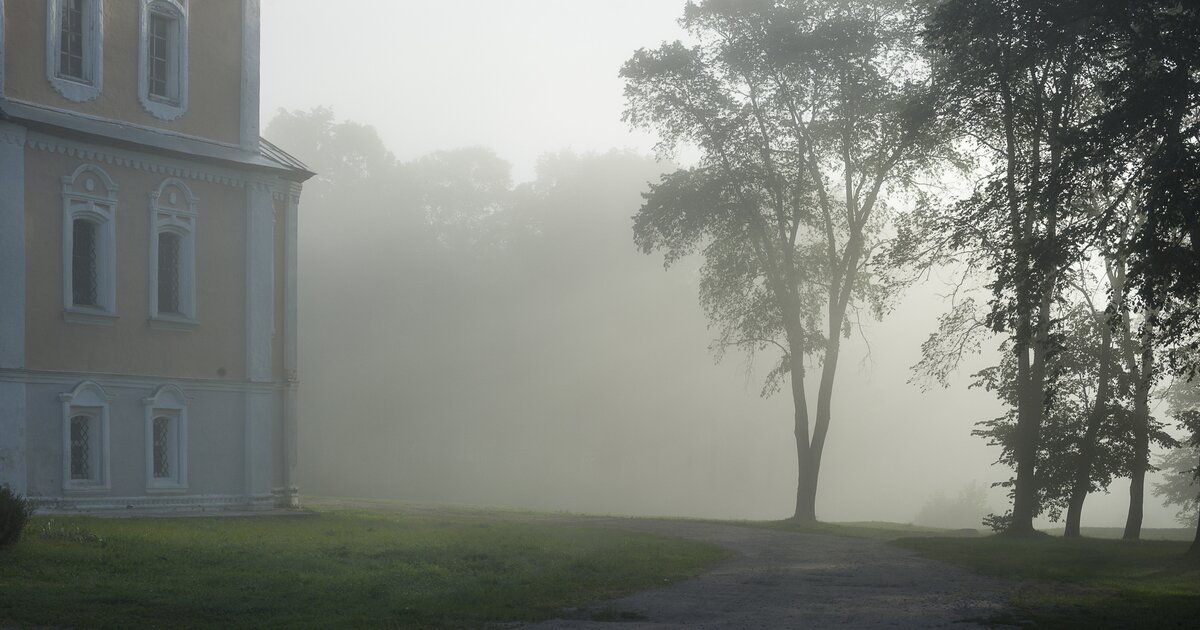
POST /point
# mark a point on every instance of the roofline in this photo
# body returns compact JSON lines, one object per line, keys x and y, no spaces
{"x":162,"y":142}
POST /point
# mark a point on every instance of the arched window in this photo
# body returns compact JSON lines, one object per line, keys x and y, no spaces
{"x":172,"y":256}
{"x":75,"y":48}
{"x":89,"y":246}
{"x":166,"y":439}
{"x":163,"y":58}
{"x":85,"y":437}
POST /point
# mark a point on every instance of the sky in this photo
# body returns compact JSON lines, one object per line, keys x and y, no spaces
{"x":529,"y":77}
{"x":522,"y":76}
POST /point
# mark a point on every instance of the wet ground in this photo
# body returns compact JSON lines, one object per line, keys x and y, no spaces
{"x":781,"y":579}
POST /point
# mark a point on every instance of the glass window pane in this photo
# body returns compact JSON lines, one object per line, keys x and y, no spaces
{"x":168,"y":273}
{"x":83,"y":263}
{"x":81,"y":451}
{"x":162,"y":454}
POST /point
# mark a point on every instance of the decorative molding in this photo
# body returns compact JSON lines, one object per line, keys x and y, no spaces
{"x":172,"y":503}
{"x":139,"y":381}
{"x":174,"y":216}
{"x":141,"y":162}
{"x":90,"y":86}
{"x":87,"y":398}
{"x":168,"y":401}
{"x":82,"y":200}
{"x":178,"y":71}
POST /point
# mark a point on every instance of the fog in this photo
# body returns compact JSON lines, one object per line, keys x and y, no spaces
{"x":478,"y":328}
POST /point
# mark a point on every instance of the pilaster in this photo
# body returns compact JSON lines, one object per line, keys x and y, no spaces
{"x":260,"y":295}
{"x":13,"y":413}
{"x":251,"y":15}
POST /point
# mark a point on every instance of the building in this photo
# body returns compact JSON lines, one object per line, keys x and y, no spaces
{"x":147,"y":259}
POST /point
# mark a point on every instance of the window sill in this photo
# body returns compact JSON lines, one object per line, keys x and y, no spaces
{"x":91,"y":316}
{"x":75,"y":89}
{"x":166,"y":489}
{"x":87,"y":489}
{"x":167,"y":322}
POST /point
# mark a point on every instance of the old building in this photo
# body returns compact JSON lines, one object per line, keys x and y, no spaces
{"x":147,"y":259}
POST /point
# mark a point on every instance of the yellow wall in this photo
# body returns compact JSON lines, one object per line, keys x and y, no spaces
{"x":214,"y":66}
{"x":130,"y":346}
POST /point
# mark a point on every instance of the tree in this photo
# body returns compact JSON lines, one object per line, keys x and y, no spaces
{"x":807,"y":114}
{"x":1022,"y":74}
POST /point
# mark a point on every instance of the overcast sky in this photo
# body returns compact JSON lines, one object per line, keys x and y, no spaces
{"x":522,"y":76}
{"x":527,"y":77}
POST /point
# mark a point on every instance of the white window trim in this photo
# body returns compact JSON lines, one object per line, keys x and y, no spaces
{"x":170,"y":218}
{"x":88,"y":398}
{"x":99,"y":206}
{"x":72,"y":88}
{"x":168,"y":401}
{"x":157,"y":107}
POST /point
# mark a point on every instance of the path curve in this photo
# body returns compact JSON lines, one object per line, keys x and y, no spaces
{"x":781,"y":579}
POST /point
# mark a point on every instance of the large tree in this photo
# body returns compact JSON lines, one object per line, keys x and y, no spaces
{"x":1023,"y":73}
{"x":806,"y":114}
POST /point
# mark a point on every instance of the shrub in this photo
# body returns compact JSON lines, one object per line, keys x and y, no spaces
{"x":14,"y":514}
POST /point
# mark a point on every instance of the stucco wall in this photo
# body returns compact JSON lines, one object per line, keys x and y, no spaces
{"x":130,"y":346}
{"x":214,"y":66}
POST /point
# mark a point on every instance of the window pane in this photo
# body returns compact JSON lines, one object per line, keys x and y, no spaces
{"x":162,"y":454}
{"x":83,"y":263}
{"x":70,"y":61}
{"x":161,"y":30}
{"x":81,"y":451}
{"x":168,"y":273}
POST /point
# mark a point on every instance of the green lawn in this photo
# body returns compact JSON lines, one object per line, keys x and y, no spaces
{"x":334,"y":569}
{"x":1085,"y":583}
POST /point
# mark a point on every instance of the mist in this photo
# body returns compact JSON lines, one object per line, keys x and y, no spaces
{"x":478,"y":327}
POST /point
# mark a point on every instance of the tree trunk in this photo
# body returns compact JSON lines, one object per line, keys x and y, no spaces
{"x":807,"y":466}
{"x":1193,"y":552}
{"x":1087,"y":449}
{"x":1141,"y":426}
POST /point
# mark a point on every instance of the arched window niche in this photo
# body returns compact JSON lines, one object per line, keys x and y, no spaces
{"x":85,"y":437}
{"x":89,"y":246}
{"x":166,"y":439}
{"x":172,"y":264}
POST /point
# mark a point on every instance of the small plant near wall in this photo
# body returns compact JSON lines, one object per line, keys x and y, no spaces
{"x":14,"y":514}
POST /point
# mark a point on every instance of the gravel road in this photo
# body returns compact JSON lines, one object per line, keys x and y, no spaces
{"x":780,"y":579}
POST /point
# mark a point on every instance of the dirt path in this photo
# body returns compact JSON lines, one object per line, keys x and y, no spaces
{"x":781,"y":579}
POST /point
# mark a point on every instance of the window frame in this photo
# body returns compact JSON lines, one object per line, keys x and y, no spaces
{"x":173,"y":211}
{"x":89,"y":399}
{"x":168,"y":401}
{"x":175,"y":105}
{"x":87,"y":87}
{"x":90,"y":194}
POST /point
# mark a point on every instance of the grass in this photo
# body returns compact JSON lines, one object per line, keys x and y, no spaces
{"x":1082,"y":583}
{"x":335,"y":569}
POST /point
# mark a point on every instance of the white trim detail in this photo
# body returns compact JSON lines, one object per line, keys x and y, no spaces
{"x":176,"y":104}
{"x":87,"y":87}
{"x":251,"y":45}
{"x":87,"y":399}
{"x":1,"y":47}
{"x":168,"y":503}
{"x":12,"y":243}
{"x":135,"y":160}
{"x":173,"y":211}
{"x":90,"y":194}
{"x":171,"y":403}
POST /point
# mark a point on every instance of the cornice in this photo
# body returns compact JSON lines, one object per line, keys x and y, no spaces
{"x":119,"y":157}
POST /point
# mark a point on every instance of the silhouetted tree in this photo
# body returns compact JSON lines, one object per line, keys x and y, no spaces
{"x":806,"y":113}
{"x":1022,"y":72}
